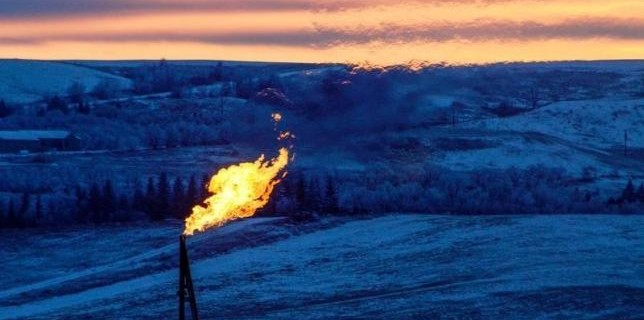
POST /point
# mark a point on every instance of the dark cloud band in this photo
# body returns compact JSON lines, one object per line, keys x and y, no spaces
{"x":23,"y":9}
{"x":581,"y":28}
{"x":324,"y":36}
{"x":75,"y":8}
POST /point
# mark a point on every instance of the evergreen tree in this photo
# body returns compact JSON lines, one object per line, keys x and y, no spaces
{"x":5,"y":110}
{"x":301,"y":193}
{"x":108,"y":200}
{"x":314,"y":194}
{"x":83,"y":108}
{"x":75,"y":92}
{"x":179,"y":199}
{"x":138,"y":200}
{"x":271,"y":207}
{"x":25,"y":203}
{"x":81,"y":205}
{"x":106,"y":89}
{"x":285,"y":189}
{"x":151,"y":207}
{"x":356,"y":206}
{"x":38,"y":209}
{"x":123,"y":203}
{"x":629,"y":192}
{"x":56,"y":103}
{"x":21,"y":217}
{"x":94,"y":203}
{"x":51,"y":208}
{"x":285,"y":195}
{"x":192,"y":194}
{"x":12,"y":220}
{"x":331,"y":196}
{"x":163,"y":195}
{"x":3,"y":218}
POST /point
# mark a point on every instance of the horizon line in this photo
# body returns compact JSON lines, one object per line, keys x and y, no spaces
{"x":346,"y":63}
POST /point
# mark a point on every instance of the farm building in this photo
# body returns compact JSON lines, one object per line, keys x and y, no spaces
{"x":38,"y":141}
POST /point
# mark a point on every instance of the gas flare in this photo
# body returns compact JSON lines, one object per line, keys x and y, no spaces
{"x":238,"y":191}
{"x":285,"y":135}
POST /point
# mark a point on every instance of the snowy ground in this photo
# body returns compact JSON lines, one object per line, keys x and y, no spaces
{"x":522,"y":148}
{"x":391,"y":267}
{"x":24,"y":81}
{"x":599,"y":122}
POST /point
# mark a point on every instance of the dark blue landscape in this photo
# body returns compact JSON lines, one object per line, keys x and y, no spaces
{"x":501,"y":191}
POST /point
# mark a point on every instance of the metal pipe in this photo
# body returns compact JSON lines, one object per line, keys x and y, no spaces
{"x":185,"y":283}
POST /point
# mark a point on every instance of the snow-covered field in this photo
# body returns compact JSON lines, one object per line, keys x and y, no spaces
{"x":24,"y":81}
{"x":390,"y":267}
{"x":599,"y":123}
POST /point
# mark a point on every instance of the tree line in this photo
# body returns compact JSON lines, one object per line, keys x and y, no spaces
{"x":102,"y":202}
{"x":161,"y":197}
{"x":629,"y":195}
{"x":303,"y":196}
{"x":21,"y":214}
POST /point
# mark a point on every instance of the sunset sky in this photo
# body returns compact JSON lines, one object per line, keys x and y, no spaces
{"x":379,"y":31}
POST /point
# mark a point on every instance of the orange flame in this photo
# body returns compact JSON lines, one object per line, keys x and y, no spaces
{"x":237,"y":192}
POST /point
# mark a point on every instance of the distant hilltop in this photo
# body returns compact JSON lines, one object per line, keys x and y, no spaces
{"x":26,"y":81}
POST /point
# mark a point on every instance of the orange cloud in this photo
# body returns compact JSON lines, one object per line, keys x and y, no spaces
{"x":391,"y":33}
{"x":324,"y":31}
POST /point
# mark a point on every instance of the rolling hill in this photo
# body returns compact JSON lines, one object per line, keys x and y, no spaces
{"x":26,"y":81}
{"x":390,"y":267}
